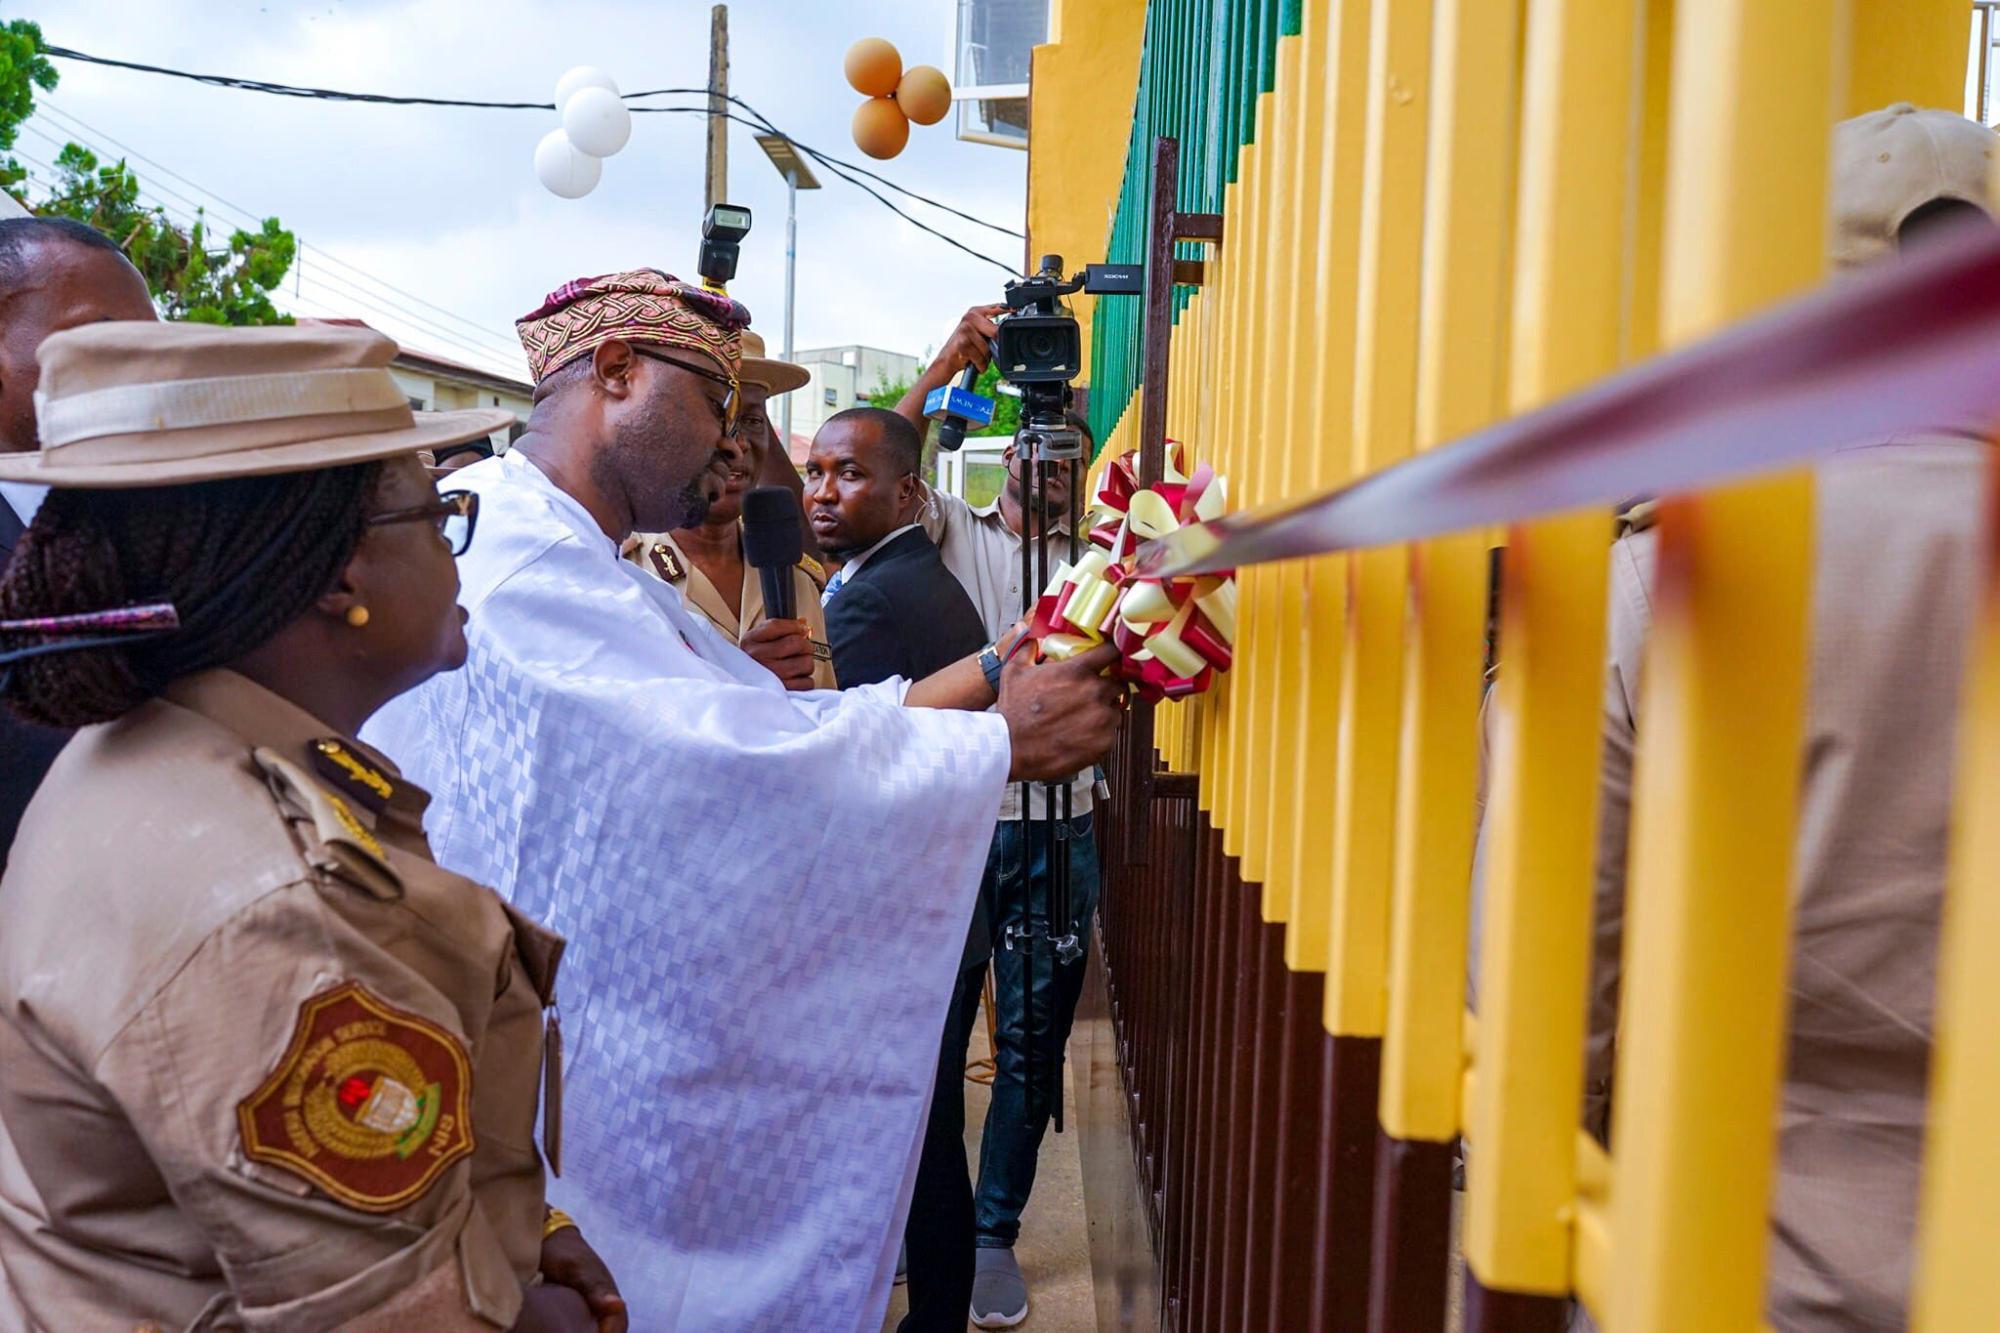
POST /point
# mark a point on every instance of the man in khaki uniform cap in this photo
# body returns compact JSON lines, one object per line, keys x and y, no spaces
{"x":267,"y":1065}
{"x":1898,"y":550}
{"x":706,"y":563}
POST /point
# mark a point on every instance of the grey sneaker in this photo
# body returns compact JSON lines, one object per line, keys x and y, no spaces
{"x":999,"y":1292}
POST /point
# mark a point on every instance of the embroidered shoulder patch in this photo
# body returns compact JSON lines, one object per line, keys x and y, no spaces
{"x":370,"y":1103}
{"x":666,"y":564}
{"x":814,"y":570}
{"x":351,"y":774}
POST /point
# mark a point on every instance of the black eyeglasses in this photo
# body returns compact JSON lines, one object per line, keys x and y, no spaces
{"x":455,"y":513}
{"x":728,"y":382}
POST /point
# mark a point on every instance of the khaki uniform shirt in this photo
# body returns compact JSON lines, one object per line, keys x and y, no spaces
{"x":1897,"y":559}
{"x":267,"y":1065}
{"x":660,"y":554}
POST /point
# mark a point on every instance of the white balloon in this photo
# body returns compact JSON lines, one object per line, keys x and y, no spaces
{"x":583,"y":76}
{"x":566,"y":172}
{"x":596,"y":121}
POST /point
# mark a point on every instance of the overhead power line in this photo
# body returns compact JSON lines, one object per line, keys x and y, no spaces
{"x":76,"y":126}
{"x":184,"y":214}
{"x":388,"y":99}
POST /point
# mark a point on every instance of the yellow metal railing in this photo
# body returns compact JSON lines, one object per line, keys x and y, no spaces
{"x":1449,"y":212}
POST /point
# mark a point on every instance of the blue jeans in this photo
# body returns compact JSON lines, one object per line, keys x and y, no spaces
{"x":1016,"y":1120}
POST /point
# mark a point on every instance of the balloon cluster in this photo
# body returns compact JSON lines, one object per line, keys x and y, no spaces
{"x":595,"y":124}
{"x":896,"y":96}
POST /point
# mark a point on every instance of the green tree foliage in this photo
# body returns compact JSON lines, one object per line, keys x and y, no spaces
{"x":193,"y":272}
{"x":23,"y":68}
{"x":1006,"y":407}
{"x":190,"y":275}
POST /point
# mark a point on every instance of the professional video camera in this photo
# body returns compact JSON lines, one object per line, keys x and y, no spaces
{"x":1038,"y":350}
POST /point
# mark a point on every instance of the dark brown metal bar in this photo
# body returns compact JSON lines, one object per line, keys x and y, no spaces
{"x":1215,"y":1181}
{"x":1267,"y":1054}
{"x":1158,"y":325}
{"x":1209,"y":1055}
{"x":1489,"y":1311}
{"x":1412,"y":1236}
{"x":1241,"y":1135}
{"x":1198,"y":227}
{"x":1291,"y":1258}
{"x":1155,"y":346}
{"x":1348,"y":1097}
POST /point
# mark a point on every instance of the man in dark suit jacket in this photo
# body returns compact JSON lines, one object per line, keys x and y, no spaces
{"x":893,"y":609}
{"x":54,"y":275}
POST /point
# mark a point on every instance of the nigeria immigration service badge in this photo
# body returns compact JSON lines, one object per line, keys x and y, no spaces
{"x":369,"y":1102}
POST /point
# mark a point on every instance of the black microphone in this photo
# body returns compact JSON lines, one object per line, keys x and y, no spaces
{"x":773,"y":542}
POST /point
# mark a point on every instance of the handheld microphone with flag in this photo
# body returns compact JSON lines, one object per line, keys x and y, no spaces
{"x":773,"y":543}
{"x":957,"y":409}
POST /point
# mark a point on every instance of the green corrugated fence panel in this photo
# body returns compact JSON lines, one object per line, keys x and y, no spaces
{"x":1203,"y":65}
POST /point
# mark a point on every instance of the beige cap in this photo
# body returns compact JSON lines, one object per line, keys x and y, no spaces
{"x":776,"y":376}
{"x":139,"y":403}
{"x":1889,"y":163}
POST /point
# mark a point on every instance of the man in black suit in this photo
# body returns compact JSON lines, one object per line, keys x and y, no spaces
{"x":55,"y":274}
{"x":895,"y":610}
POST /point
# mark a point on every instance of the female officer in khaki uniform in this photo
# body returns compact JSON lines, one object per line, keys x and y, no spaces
{"x":267,"y":1065}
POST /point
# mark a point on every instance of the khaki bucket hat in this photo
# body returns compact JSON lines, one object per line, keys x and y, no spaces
{"x":136,"y":403}
{"x":777,"y":376}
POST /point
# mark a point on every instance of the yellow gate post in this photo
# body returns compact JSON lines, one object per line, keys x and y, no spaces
{"x":1715,"y":790}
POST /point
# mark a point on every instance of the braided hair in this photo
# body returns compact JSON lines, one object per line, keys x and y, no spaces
{"x":240,"y":559}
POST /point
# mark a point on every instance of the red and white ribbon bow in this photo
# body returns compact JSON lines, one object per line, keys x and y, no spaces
{"x":1174,"y":634}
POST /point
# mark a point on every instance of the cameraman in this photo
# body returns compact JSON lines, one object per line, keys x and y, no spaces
{"x":982,"y":549}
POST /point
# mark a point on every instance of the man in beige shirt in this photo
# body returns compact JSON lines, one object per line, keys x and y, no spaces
{"x":1898,"y":550}
{"x":706,"y":562}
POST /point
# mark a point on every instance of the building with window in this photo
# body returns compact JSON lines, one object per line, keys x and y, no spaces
{"x":842,"y":377}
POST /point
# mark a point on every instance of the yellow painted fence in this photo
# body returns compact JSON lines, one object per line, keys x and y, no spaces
{"x":1439,"y":214}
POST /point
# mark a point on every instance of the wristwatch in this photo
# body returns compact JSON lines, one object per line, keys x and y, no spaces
{"x":989,"y":662}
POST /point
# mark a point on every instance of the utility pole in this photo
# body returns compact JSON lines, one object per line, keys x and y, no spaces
{"x":718,"y":88}
{"x":784,"y":156}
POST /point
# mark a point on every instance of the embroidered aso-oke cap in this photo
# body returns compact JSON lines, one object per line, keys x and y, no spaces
{"x":639,"y":305}
{"x":137,"y":403}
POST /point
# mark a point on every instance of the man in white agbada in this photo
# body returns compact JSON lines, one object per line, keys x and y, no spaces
{"x":765,"y":893}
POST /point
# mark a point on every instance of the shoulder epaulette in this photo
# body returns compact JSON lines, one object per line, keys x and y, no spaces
{"x":351,"y":775}
{"x":814,"y":570}
{"x":665,"y":563}
{"x":336,"y":841}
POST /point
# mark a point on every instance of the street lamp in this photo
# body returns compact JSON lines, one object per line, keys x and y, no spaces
{"x":785,"y":157}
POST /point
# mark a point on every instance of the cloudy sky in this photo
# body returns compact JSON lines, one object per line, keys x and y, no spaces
{"x":410,"y":212}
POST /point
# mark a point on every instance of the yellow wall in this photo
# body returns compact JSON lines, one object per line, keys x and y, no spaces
{"x":1907,"y":51}
{"x":1079,"y":122}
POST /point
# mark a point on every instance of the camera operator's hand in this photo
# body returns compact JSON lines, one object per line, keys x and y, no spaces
{"x":784,"y":648}
{"x":1061,"y":716}
{"x":970,"y":344}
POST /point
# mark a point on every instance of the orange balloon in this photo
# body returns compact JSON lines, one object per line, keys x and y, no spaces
{"x":873,"y":67}
{"x":880,"y":128}
{"x":924,"y":94}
